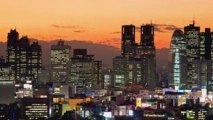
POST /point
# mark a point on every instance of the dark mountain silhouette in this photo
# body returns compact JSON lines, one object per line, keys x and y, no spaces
{"x":102,"y":52}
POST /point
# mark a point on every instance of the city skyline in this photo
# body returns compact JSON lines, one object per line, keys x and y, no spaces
{"x":74,"y":20}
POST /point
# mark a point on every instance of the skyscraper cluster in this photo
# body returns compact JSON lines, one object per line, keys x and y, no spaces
{"x":137,"y":63}
{"x":192,"y":58}
{"x":23,"y":57}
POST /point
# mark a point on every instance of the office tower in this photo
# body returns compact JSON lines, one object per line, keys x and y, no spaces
{"x":135,"y":71}
{"x":85,"y":71}
{"x":148,"y":54}
{"x":35,"y":61}
{"x":178,"y":60}
{"x":206,"y":56}
{"x":60,"y":62}
{"x":192,"y":35}
{"x":120,"y":69}
{"x":19,"y":56}
{"x":202,"y":72}
{"x":128,"y":40}
{"x":107,"y":78}
{"x":5,"y":72}
{"x":12,"y":51}
{"x":23,"y":60}
{"x":205,"y":44}
{"x":97,"y":74}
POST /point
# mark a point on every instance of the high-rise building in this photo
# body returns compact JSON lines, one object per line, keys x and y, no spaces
{"x":12,"y":51}
{"x":148,"y":54}
{"x":128,"y":40}
{"x":60,"y":62}
{"x":85,"y":71}
{"x":120,"y":69}
{"x":192,"y":36}
{"x":24,"y":59}
{"x":206,"y":56}
{"x":35,"y":61}
{"x":178,"y":60}
{"x":137,"y":63}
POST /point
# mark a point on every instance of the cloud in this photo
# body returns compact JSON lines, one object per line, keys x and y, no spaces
{"x":116,"y":32}
{"x":65,"y":26}
{"x":78,"y":31}
{"x":165,"y":27}
{"x":158,"y":29}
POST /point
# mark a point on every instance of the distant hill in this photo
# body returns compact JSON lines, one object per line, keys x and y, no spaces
{"x":102,"y":52}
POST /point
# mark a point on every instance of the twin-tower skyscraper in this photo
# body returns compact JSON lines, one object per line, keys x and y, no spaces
{"x":137,"y":63}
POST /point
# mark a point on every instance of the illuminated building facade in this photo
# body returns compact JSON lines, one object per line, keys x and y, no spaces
{"x":192,"y":36}
{"x":24,"y":58}
{"x":120,"y":69}
{"x":107,"y":78}
{"x":35,"y":108}
{"x":60,"y":62}
{"x":85,"y":71}
{"x":12,"y":51}
{"x":178,"y":60}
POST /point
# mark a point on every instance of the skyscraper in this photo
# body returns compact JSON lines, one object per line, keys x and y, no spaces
{"x":60,"y":62}
{"x":12,"y":51}
{"x":192,"y":36}
{"x":25,"y":62}
{"x":85,"y":71}
{"x":23,"y":58}
{"x":148,"y":54}
{"x":35,"y":61}
{"x":206,"y":57}
{"x":128,"y":39}
{"x":178,"y":60}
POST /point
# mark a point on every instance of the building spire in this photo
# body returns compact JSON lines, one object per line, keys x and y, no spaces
{"x":193,"y":20}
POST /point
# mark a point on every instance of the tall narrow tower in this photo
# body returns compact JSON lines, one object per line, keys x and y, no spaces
{"x":128,"y":40}
{"x":148,"y":54}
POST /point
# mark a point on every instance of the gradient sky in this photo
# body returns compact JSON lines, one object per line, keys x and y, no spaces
{"x":100,"y":21}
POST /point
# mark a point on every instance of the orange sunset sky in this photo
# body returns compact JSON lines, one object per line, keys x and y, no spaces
{"x":100,"y":21}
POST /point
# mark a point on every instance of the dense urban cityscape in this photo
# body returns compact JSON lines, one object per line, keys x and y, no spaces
{"x":76,"y":86}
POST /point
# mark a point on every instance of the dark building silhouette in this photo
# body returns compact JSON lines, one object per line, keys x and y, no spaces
{"x":24,"y":59}
{"x":12,"y":51}
{"x":147,"y":35}
{"x":128,"y":39}
{"x":148,"y":54}
{"x":137,"y":63}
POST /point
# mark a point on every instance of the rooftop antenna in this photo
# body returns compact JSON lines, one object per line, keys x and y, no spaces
{"x":151,"y":22}
{"x":193,"y":20}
